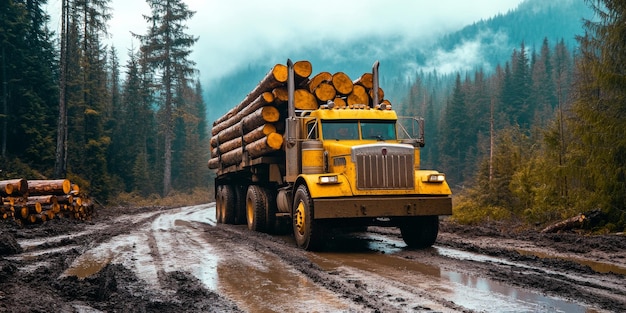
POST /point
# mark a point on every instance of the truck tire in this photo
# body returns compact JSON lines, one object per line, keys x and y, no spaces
{"x":225,"y":206}
{"x":240,"y":204}
{"x":270,"y":210}
{"x":420,"y":232}
{"x":255,"y":208}
{"x":307,"y":231}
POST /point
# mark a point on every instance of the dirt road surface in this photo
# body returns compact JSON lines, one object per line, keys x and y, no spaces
{"x":179,"y":260}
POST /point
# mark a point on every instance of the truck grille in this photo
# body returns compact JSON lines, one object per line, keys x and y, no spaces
{"x":381,"y":166}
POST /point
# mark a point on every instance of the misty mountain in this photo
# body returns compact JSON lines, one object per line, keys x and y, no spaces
{"x":483,"y":44}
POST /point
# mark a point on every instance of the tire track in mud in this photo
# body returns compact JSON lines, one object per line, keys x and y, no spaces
{"x":368,"y":296}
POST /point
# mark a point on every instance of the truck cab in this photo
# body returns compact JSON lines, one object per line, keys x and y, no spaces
{"x":360,"y":167}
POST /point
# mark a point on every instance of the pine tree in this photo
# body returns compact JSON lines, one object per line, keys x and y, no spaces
{"x":27,"y":78}
{"x":600,"y":111}
{"x":167,"y":48}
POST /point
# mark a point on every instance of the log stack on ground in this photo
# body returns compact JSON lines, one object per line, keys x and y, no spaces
{"x":33,"y":201}
{"x":254,"y":127}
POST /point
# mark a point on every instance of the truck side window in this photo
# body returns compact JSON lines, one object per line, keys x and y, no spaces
{"x":311,"y":130}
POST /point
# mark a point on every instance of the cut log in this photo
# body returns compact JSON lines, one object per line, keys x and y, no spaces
{"x":381,"y":94}
{"x":262,"y":100}
{"x":264,"y":115}
{"x":366,"y":80}
{"x":270,"y":143}
{"x":276,"y":77}
{"x":263,"y":146}
{"x":342,"y":83}
{"x":302,"y":70}
{"x":358,"y":96}
{"x":252,"y":136}
{"x":260,"y":132}
{"x":304,"y":100}
{"x":13,"y":187}
{"x":340,"y":103}
{"x":47,"y":199}
{"x":322,"y":77}
{"x":49,"y":187}
{"x":281,"y":95}
{"x":567,"y":224}
{"x":325,"y":92}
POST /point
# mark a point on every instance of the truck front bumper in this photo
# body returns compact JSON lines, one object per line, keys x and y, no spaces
{"x":327,"y":208}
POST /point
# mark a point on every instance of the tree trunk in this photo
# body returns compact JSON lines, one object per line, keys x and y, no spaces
{"x":572,"y":222}
{"x":270,"y":143}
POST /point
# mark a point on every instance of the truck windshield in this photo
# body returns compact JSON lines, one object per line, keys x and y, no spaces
{"x":349,"y":130}
{"x":340,"y":130}
{"x":378,"y":130}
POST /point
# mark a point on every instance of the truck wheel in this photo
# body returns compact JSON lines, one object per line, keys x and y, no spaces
{"x":420,"y":232}
{"x":270,"y":210}
{"x":255,"y":208}
{"x":307,"y":231}
{"x":225,"y":206}
{"x":240,"y":204}
{"x":219,"y":204}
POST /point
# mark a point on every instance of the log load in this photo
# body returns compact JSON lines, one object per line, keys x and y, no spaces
{"x":37,"y":201}
{"x":253,"y":126}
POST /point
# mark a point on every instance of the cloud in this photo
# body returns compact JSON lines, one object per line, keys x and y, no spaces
{"x":235,"y":33}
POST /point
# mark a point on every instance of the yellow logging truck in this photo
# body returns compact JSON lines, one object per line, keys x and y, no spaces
{"x":324,"y":168}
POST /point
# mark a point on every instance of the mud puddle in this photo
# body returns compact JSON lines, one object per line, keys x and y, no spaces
{"x":598,"y":267}
{"x":373,"y":254}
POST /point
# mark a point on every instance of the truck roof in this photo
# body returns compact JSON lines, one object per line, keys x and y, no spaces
{"x":329,"y":114}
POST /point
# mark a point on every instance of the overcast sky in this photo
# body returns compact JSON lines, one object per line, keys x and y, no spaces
{"x":234,"y":33}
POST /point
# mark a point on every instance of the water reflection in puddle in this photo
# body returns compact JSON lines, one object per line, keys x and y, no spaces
{"x":474,"y":293}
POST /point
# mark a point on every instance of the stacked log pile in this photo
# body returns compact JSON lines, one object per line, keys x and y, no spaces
{"x":36,"y":201}
{"x":256,"y":125}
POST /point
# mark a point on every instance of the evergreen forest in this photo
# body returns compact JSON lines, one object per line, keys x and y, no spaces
{"x":534,"y":137}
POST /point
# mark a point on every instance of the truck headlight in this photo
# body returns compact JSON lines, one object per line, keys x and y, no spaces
{"x":436,"y":178}
{"x":324,"y":180}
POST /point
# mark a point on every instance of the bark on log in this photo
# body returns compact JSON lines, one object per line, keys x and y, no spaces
{"x":270,"y":143}
{"x":46,"y":199}
{"x":262,"y":100}
{"x":567,"y":224}
{"x":245,"y":124}
{"x":250,"y":137}
{"x":13,"y":187}
{"x":265,"y":145}
{"x":276,"y":77}
{"x":304,"y":100}
{"x":262,"y":116}
{"x":325,"y":92}
{"x":49,"y":187}
{"x":260,"y":132}
{"x":342,"y":83}
{"x":322,"y":77}
{"x":358,"y":96}
{"x":366,"y":80}
{"x":281,"y":95}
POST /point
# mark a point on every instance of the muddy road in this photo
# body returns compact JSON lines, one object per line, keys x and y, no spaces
{"x":179,"y":260}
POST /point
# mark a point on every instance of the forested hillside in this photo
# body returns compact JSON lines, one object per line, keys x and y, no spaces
{"x":77,"y":113}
